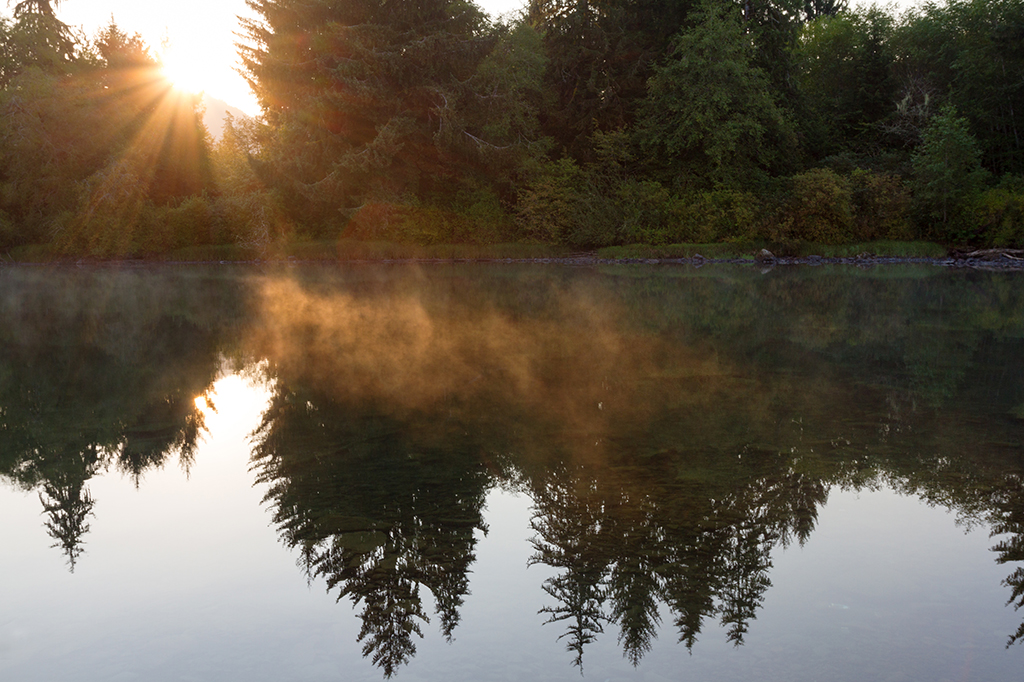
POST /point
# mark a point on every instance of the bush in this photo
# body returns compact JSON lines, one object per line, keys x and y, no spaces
{"x":999,"y":214}
{"x":9,"y":233}
{"x":162,"y":229}
{"x":881,"y":207}
{"x":647,"y":212}
{"x":431,"y":225}
{"x":489,"y":221}
{"x":110,"y":205}
{"x":705,"y":217}
{"x":567,"y":204}
{"x":253,"y":220}
{"x":474,"y":217}
{"x":821,"y":208}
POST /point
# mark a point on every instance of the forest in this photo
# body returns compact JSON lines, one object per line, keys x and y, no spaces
{"x":578,"y":124}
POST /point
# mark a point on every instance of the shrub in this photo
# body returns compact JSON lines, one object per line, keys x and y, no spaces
{"x":111,"y":203}
{"x":999,"y":214}
{"x":647,"y":211}
{"x":473,"y":217}
{"x":489,"y":221}
{"x":567,"y":204}
{"x":881,"y":207}
{"x":706,"y":217}
{"x":431,"y":225}
{"x":9,"y":233}
{"x":821,"y":207}
{"x":253,"y":220}
{"x":162,"y":229}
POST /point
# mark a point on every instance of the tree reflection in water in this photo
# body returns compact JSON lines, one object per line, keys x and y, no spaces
{"x":630,"y":537}
{"x":672,"y":432}
{"x":98,"y":370}
{"x":668,"y":447}
{"x":379,"y":509}
{"x":67,"y":503}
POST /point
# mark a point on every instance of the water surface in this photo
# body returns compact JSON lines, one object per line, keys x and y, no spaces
{"x":500,"y":472}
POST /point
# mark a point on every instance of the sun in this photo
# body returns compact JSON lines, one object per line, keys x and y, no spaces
{"x":187,"y":71}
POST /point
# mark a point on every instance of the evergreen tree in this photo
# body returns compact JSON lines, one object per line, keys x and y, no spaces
{"x":601,"y":53}
{"x":38,"y":39}
{"x":970,"y":53}
{"x":947,"y":173}
{"x":89,"y":136}
{"x":710,"y":115}
{"x":364,"y":98}
{"x":845,"y":78}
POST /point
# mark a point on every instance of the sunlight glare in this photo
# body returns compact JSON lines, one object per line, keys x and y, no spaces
{"x":185,"y":70}
{"x":235,"y":403}
{"x":203,"y":405}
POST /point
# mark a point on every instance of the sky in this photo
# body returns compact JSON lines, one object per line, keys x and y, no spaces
{"x":200,"y":35}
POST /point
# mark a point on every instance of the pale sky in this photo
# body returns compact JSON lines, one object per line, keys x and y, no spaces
{"x":200,"y":33}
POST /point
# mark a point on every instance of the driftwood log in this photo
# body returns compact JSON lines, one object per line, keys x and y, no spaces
{"x":992,"y":254}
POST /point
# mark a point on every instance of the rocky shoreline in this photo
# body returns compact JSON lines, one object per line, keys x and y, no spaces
{"x":988,"y":259}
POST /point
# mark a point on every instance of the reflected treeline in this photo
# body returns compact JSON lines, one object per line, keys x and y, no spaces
{"x":673,"y":427}
{"x":693,"y":534}
{"x":385,"y":511}
{"x":100,"y":369}
{"x":672,"y":432}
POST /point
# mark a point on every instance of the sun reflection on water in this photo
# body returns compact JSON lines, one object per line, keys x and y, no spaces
{"x":235,"y":402}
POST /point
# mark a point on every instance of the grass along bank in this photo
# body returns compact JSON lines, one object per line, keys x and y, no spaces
{"x":356,"y":250}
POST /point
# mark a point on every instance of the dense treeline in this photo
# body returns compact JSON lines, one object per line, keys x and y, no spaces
{"x":585,"y":124}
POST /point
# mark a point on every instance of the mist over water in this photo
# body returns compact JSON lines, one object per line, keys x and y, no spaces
{"x":678,"y":435}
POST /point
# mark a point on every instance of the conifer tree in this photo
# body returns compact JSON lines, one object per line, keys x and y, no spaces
{"x":362,"y":96}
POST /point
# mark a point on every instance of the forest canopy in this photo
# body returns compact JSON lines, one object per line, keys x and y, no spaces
{"x":584,"y":124}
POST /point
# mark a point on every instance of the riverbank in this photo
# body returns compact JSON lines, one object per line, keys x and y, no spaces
{"x":762,"y":254}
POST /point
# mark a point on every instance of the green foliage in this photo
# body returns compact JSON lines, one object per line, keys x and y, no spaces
{"x":112,"y":201}
{"x":349,"y":249}
{"x":565,"y":204}
{"x":881,"y":206}
{"x":89,"y":141}
{"x":581,"y":124}
{"x":37,"y":39}
{"x":821,"y":207}
{"x":970,"y":54}
{"x":118,"y":221}
{"x":375,"y":102}
{"x":715,"y":215}
{"x":844,"y":65}
{"x":8,"y":230}
{"x":671,"y":251}
{"x":947,"y":175}
{"x":821,"y":8}
{"x":432,"y":225}
{"x":246,"y":211}
{"x":471,"y":218}
{"x":600,"y":55}
{"x":646,"y":209}
{"x":50,"y":140}
{"x":998,"y":214}
{"x":773,"y":26}
{"x":499,"y":128}
{"x":710,"y":116}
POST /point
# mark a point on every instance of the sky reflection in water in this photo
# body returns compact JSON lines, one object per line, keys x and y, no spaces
{"x":641,"y":457}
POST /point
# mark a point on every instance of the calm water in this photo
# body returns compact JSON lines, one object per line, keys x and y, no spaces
{"x":511,"y":472}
